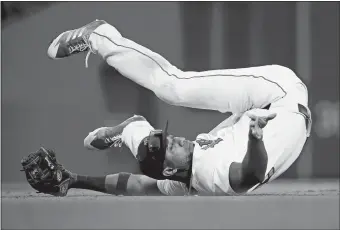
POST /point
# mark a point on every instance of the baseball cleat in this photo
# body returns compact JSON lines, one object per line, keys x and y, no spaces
{"x":257,"y":124}
{"x":107,"y":137}
{"x":73,"y":41}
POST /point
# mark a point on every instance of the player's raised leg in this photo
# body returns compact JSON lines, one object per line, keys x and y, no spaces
{"x":222,"y":90}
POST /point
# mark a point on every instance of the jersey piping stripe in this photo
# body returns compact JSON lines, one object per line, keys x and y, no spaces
{"x":174,"y":75}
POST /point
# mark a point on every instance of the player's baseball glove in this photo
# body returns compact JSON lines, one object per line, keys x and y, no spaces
{"x":45,"y":174}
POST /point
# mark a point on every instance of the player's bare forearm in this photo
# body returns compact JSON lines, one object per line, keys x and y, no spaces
{"x":252,"y":169}
{"x":254,"y":164}
{"x":131,"y":185}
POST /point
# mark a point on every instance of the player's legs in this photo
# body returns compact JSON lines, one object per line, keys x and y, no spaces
{"x":292,"y":144}
{"x":222,"y":90}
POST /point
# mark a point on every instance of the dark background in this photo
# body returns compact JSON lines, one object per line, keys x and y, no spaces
{"x":56,"y":103}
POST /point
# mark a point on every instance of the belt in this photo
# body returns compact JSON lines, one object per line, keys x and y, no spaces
{"x":304,"y":111}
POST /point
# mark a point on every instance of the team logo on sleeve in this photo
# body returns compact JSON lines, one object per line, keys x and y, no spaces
{"x":206,"y":144}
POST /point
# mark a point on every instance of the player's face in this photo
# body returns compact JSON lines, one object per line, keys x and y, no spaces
{"x":178,"y":152}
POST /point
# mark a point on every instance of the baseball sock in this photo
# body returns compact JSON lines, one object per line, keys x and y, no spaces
{"x":88,"y":182}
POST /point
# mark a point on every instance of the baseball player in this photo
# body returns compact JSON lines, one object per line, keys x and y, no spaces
{"x":265,"y":135}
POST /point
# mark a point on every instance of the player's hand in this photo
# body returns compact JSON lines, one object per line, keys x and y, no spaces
{"x":260,"y":120}
{"x":257,"y":123}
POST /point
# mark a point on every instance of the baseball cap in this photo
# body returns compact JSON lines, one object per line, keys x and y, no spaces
{"x":151,"y":153}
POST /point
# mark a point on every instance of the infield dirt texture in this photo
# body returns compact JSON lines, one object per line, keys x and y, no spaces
{"x":282,"y":204}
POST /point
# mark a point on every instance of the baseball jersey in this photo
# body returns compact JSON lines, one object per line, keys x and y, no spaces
{"x":212,"y":157}
{"x":213,"y":154}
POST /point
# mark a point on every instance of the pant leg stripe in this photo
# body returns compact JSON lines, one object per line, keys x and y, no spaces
{"x":174,"y":75}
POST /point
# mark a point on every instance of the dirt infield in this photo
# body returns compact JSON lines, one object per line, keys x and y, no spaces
{"x":279,"y":205}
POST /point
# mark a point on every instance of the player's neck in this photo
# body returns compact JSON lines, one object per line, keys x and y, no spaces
{"x":184,"y":174}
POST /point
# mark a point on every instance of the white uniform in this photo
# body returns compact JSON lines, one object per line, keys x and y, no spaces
{"x":283,"y":142}
{"x":226,"y":90}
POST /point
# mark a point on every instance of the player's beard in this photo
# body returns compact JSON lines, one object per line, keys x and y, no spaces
{"x":184,"y":173}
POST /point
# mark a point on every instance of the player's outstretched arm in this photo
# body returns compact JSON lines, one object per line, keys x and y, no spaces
{"x":46,"y":175}
{"x":243,"y":176}
{"x":126,"y":184}
{"x":135,"y":185}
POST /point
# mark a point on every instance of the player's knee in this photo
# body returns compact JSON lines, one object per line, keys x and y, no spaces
{"x":285,"y":70}
{"x":281,"y":67}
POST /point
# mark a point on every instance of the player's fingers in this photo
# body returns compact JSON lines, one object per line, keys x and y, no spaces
{"x":252,"y":116}
{"x":262,"y":122}
{"x":252,"y":124}
{"x":256,"y":122}
{"x":271,"y":116}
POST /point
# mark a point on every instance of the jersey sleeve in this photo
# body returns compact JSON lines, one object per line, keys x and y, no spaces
{"x":172,"y":188}
{"x":230,"y":121}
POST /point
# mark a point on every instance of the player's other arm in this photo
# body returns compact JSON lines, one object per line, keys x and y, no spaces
{"x":131,"y":185}
{"x":123,"y":183}
{"x":141,"y":185}
{"x":128,"y":184}
{"x":251,"y":171}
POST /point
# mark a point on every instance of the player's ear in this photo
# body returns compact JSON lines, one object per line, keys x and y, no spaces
{"x":169,"y":171}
